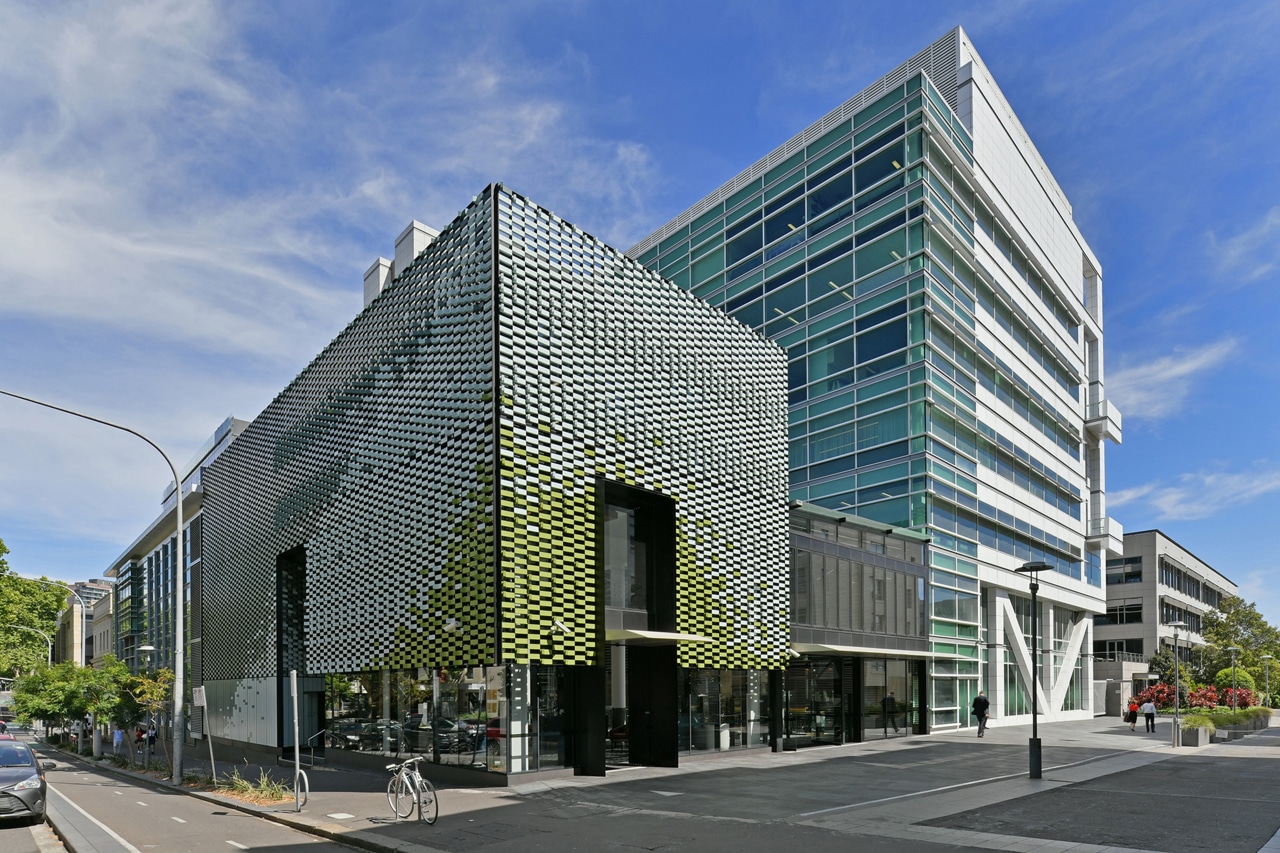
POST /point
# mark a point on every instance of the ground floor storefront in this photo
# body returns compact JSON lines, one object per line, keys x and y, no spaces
{"x":639,"y":708}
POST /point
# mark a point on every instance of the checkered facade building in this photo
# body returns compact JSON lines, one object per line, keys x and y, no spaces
{"x":439,"y":462}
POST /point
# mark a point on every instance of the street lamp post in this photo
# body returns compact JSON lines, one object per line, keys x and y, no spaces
{"x":146,"y":737}
{"x":1177,"y":687}
{"x":1033,"y":745}
{"x":47,"y":638}
{"x":179,"y":576}
{"x":1233,"y":650}
{"x":1266,"y":660}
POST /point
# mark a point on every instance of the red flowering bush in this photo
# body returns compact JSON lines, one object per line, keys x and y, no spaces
{"x":1205,"y":697}
{"x":1161,"y":694}
{"x":1244,"y":698}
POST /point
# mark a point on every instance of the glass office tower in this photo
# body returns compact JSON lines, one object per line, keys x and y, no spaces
{"x":942,"y":319}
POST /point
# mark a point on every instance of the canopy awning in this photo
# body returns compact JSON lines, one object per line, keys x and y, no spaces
{"x":653,"y":638}
{"x":871,"y":651}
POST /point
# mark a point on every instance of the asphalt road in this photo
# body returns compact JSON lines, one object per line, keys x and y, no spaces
{"x":118,"y":814}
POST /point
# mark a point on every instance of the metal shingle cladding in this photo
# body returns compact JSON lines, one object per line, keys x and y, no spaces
{"x":608,"y":370}
{"x":380,"y":460}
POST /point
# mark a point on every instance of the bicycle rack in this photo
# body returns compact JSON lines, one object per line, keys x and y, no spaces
{"x":301,"y":789}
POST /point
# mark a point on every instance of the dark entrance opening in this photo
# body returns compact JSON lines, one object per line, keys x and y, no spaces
{"x":637,"y":557}
{"x":291,"y":599}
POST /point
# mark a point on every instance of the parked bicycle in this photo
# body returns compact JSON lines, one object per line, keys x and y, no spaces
{"x":408,"y":788}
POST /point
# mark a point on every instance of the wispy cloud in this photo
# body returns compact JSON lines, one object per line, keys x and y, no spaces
{"x":1202,"y":494}
{"x":1253,"y":253}
{"x":1162,"y":387}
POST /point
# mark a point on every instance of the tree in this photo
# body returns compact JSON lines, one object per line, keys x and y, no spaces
{"x":151,"y":693}
{"x":29,"y":604}
{"x":1161,"y":664}
{"x":1238,"y":623}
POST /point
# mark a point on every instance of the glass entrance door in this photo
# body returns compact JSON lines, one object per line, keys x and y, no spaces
{"x":890,"y":698}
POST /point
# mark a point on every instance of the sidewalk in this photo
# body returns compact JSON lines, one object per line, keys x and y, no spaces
{"x":890,"y":789}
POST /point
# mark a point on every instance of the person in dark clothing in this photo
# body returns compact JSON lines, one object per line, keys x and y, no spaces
{"x":890,"y":705}
{"x":980,"y":706}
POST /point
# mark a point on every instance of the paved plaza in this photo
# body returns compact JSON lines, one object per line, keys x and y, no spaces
{"x":1103,"y":788}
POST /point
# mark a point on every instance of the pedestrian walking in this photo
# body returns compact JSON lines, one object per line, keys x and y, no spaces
{"x":1149,"y":711}
{"x":117,"y":739}
{"x":980,"y":706}
{"x":890,"y":705}
{"x":1131,"y":717}
{"x":4,"y":727}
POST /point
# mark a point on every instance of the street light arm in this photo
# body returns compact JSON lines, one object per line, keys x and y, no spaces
{"x":47,"y":638}
{"x":179,"y":577}
{"x":134,"y":432}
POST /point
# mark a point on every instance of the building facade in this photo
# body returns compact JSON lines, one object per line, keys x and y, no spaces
{"x":104,"y":629}
{"x":528,"y":510}
{"x":859,"y":630}
{"x":1156,"y":582}
{"x":142,"y":610}
{"x":942,"y":318}
{"x":73,"y":635}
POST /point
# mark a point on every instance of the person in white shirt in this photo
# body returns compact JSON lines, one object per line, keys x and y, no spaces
{"x":1149,"y":711}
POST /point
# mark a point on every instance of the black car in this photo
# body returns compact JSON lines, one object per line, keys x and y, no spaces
{"x":22,"y":783}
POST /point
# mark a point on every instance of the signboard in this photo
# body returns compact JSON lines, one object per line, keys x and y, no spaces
{"x":197,"y":697}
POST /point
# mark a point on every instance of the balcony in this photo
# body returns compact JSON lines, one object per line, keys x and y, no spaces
{"x":1103,"y":420}
{"x":1106,"y":532}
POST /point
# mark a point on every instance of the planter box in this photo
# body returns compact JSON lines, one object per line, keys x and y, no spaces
{"x":1197,"y":736}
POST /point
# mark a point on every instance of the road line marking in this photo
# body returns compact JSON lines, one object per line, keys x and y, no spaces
{"x":141,"y":803}
{"x":953,"y":787}
{"x":108,"y":830}
{"x":178,"y":819}
{"x":237,"y":845}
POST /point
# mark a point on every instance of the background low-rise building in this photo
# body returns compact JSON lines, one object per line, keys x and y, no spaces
{"x":1155,"y":583}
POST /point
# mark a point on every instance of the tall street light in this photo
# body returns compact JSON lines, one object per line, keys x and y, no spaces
{"x":1266,"y":660}
{"x":1033,"y":745}
{"x":1233,"y":650}
{"x":1177,"y":692}
{"x":179,"y":576}
{"x":49,"y":639}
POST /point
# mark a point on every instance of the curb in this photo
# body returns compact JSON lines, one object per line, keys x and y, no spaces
{"x":330,"y":832}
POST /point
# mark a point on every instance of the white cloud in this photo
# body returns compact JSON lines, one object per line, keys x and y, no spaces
{"x":186,"y":217}
{"x":1161,"y":388}
{"x":1251,"y":254}
{"x":1202,"y":494}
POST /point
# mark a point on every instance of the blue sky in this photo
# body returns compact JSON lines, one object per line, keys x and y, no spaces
{"x":190,"y":193}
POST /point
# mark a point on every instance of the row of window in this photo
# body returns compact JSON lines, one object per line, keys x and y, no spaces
{"x":988,"y":526}
{"x":1188,"y":584}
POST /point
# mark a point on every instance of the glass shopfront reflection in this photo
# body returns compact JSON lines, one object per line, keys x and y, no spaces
{"x":842,"y":699}
{"x":724,"y":709}
{"x":890,"y":698}
{"x":456,"y":717}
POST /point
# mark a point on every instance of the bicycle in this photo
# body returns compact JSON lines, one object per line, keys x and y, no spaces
{"x":409,"y":787}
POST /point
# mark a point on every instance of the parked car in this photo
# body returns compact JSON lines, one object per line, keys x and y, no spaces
{"x":367,"y":735}
{"x":454,"y":735}
{"x":22,"y":782}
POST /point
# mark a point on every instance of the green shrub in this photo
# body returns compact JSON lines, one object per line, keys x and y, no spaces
{"x":1244,"y":681}
{"x":1195,"y":721}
